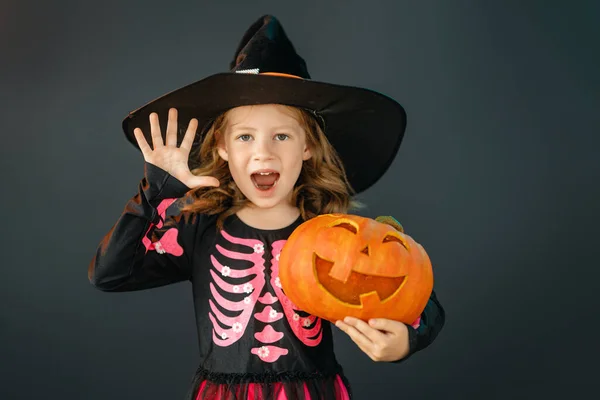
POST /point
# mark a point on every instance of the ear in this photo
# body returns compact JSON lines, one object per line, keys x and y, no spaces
{"x":222,"y":149}
{"x":307,"y":153}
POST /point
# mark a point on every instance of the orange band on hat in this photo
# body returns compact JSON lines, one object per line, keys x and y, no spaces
{"x":280,"y":74}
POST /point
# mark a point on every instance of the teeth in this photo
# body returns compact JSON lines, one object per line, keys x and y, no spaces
{"x":265,"y":173}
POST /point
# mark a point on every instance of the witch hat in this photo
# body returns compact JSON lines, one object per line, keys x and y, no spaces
{"x":365,"y":127}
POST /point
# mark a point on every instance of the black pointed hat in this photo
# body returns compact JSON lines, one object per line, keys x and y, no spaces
{"x":365,"y":127}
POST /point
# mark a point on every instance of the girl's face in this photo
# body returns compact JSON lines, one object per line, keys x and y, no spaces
{"x":265,"y":147}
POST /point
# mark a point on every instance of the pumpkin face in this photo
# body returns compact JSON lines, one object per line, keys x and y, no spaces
{"x":339,"y":265}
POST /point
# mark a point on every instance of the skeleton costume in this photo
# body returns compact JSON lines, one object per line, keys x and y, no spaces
{"x":253,"y":342}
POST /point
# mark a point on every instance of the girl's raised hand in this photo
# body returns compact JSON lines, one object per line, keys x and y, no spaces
{"x":167,"y":155}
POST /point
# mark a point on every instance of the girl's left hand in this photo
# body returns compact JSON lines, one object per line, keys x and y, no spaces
{"x":381,"y":339}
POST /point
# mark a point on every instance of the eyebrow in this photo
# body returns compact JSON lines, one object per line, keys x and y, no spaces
{"x":233,"y":127}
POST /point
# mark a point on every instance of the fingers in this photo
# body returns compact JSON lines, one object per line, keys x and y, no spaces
{"x":361,"y":326}
{"x":142,"y":143}
{"x":170,"y":135}
{"x":188,"y":139}
{"x":386,"y":325}
{"x":357,"y":337}
{"x":373,"y":343}
{"x":172,"y":128}
{"x":155,"y":131}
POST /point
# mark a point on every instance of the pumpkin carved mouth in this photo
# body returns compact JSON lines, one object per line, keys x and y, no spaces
{"x":357,"y":284}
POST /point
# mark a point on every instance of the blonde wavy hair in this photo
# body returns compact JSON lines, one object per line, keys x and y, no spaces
{"x":322,"y":186}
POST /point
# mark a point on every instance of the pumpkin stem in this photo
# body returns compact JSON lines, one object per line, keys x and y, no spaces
{"x":393,"y":222}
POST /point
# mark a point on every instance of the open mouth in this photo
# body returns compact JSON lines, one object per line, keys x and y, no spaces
{"x":265,"y":180}
{"x":357,"y":284}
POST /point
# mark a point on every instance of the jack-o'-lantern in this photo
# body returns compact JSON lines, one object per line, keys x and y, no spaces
{"x":338,"y":265}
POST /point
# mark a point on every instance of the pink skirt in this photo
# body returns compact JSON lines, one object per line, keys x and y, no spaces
{"x":271,"y":391}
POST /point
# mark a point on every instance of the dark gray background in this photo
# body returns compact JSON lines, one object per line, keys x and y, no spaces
{"x":497,"y":177}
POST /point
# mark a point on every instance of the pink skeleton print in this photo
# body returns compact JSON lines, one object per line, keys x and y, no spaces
{"x":168,"y":242}
{"x":307,"y":329}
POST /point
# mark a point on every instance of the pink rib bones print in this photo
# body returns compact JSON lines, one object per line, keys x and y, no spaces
{"x":168,"y":242}
{"x":308,"y":329}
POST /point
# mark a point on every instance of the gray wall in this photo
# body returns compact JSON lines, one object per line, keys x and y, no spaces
{"x":497,"y":177}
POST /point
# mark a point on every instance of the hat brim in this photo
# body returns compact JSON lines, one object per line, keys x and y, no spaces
{"x":365,"y":127}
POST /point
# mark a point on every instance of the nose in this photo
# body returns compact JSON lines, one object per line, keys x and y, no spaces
{"x":263,"y":149}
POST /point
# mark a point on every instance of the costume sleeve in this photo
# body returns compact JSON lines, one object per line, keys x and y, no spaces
{"x":144,"y":249}
{"x":429,"y":326}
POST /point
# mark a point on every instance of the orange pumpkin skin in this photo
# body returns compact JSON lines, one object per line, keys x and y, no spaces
{"x":338,"y":265}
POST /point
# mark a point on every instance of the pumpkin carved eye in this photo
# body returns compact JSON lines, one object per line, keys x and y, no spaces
{"x":346,"y":225}
{"x":392,"y":238}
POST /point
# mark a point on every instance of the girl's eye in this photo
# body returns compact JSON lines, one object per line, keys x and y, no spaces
{"x":244,"y":138}
{"x":282,"y":136}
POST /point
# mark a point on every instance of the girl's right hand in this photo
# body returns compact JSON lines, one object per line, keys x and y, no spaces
{"x":168,"y":156}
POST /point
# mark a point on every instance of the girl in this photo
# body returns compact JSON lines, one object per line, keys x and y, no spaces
{"x":263,"y":163}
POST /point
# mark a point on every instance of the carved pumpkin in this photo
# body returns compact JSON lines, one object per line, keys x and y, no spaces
{"x":339,"y":265}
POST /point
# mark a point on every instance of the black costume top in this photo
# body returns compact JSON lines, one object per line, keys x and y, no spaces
{"x":252,"y":340}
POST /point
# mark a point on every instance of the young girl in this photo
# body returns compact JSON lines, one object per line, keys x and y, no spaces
{"x":263,"y":163}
